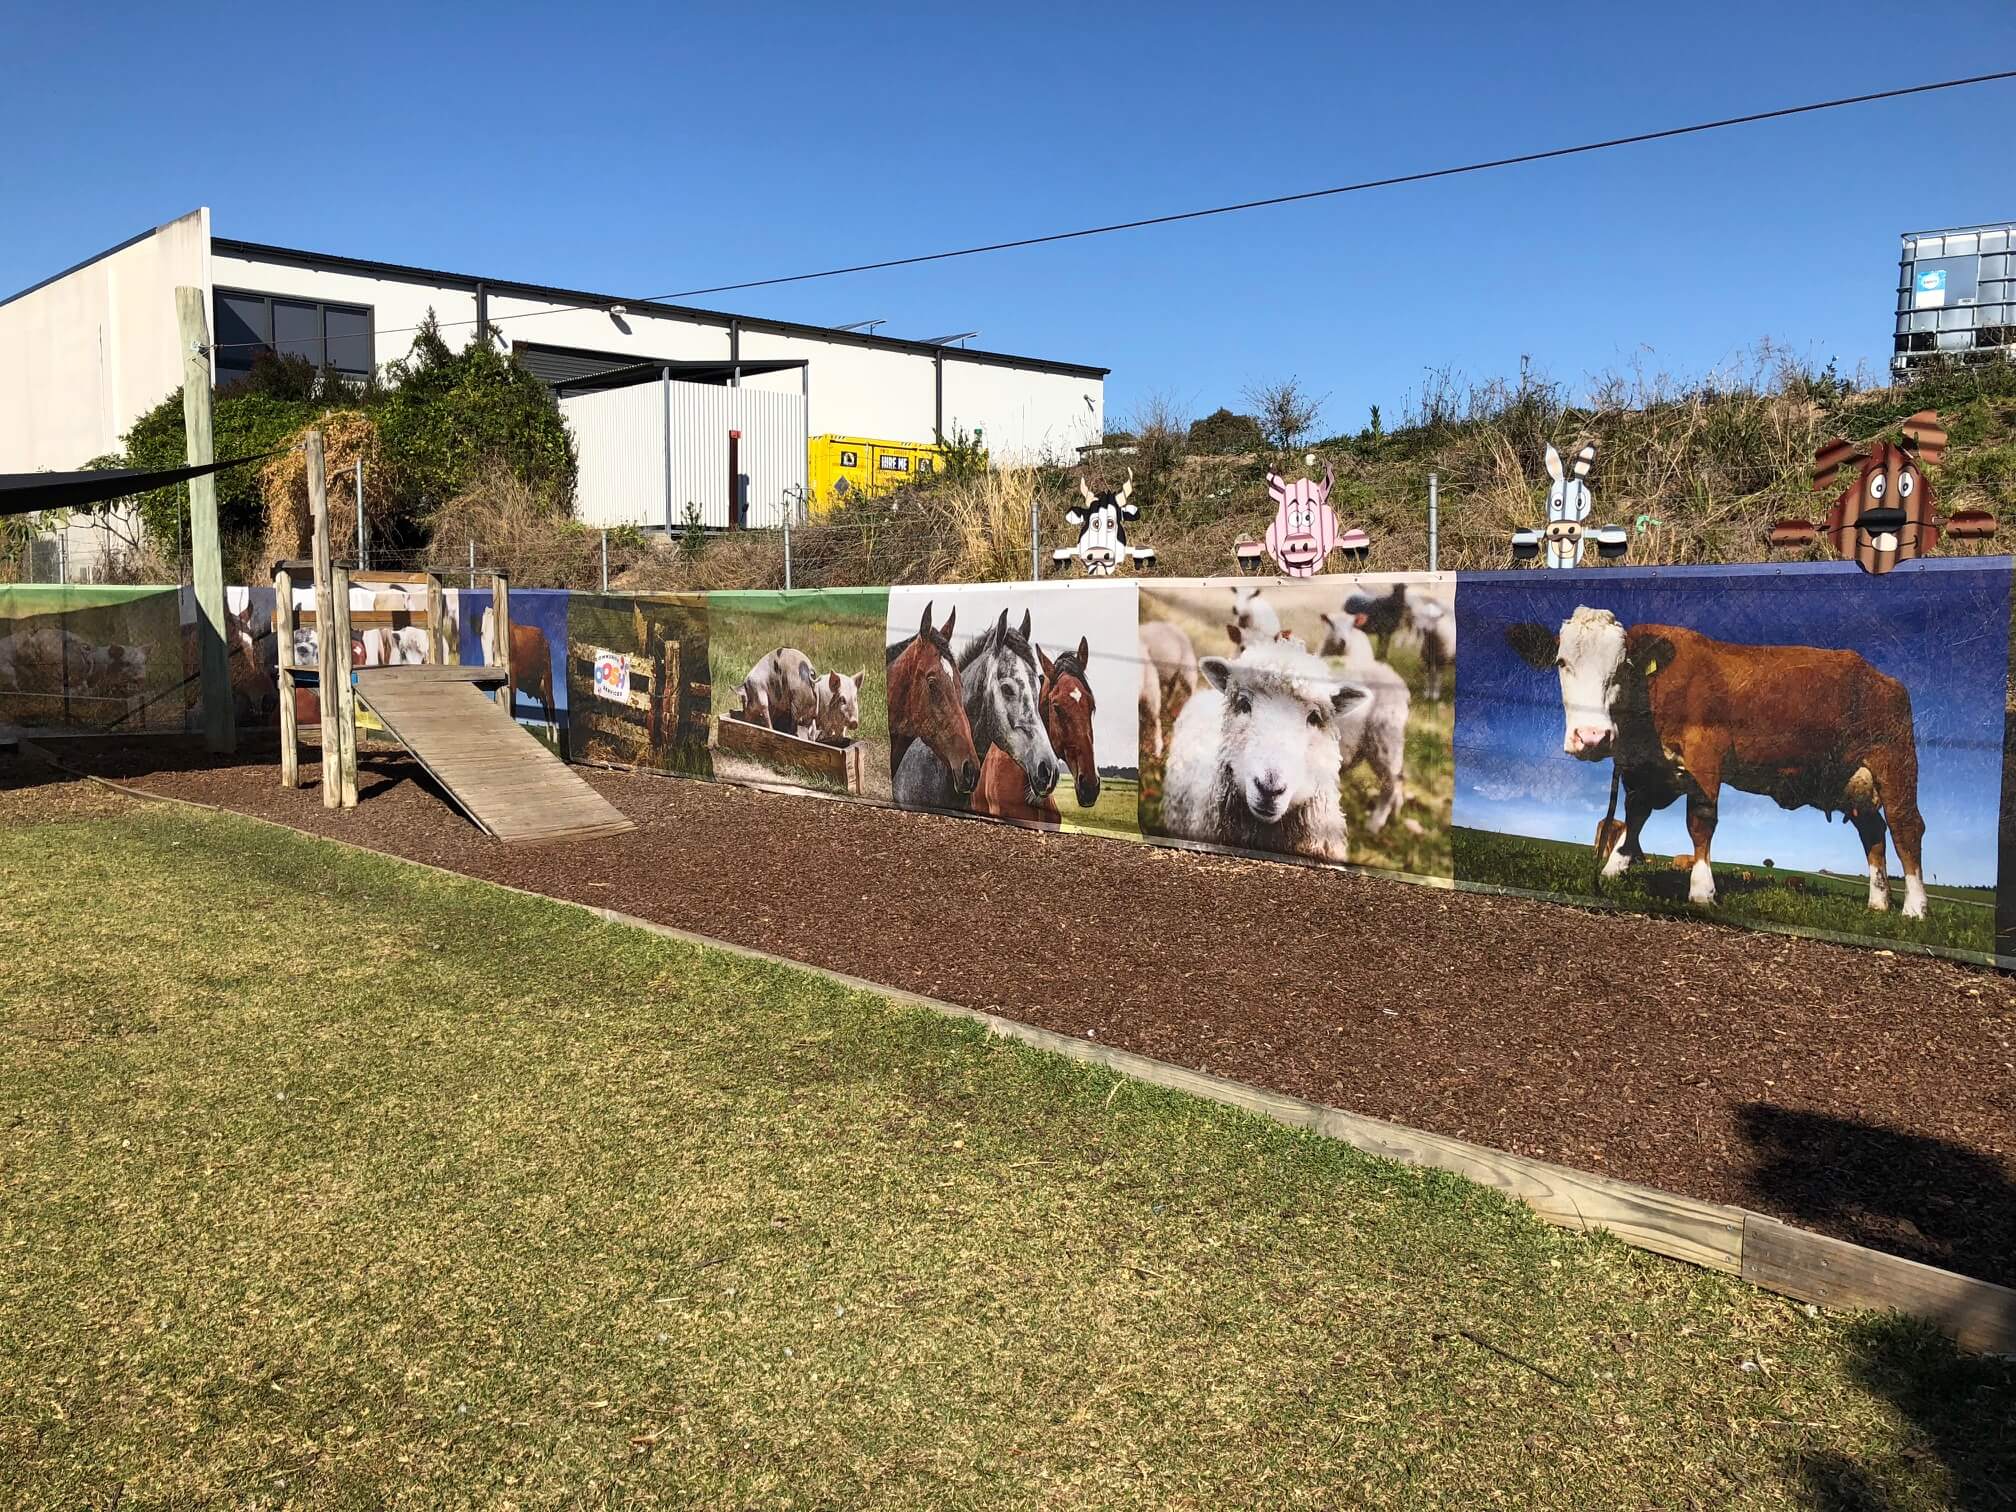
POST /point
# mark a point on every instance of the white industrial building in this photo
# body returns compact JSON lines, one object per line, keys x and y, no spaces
{"x":651,"y":390}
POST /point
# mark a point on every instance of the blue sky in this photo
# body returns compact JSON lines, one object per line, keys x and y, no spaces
{"x":642,"y":149}
{"x":1940,"y":628}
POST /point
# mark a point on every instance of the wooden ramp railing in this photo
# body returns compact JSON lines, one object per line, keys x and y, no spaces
{"x":497,"y":773}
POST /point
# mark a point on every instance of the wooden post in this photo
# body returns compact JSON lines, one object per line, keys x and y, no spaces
{"x":500,"y":627}
{"x":206,"y":569}
{"x":325,"y":623}
{"x":437,"y":636}
{"x":346,"y":691}
{"x":283,"y":640}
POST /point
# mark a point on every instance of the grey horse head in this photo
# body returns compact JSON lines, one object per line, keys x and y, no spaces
{"x":1001,"y":681}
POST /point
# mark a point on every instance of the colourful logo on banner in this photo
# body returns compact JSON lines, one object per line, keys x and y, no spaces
{"x":612,"y":676}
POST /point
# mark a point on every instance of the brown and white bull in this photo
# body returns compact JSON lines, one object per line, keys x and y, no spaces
{"x":1681,"y":716}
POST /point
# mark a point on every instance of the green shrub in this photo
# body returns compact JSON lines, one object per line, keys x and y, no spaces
{"x":442,"y":419}
{"x":1222,"y":433}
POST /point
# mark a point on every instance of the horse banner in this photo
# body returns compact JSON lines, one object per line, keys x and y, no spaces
{"x":799,"y":690}
{"x":1016,"y":701}
{"x":1310,"y":717}
{"x":1803,"y":747}
{"x":90,"y":658}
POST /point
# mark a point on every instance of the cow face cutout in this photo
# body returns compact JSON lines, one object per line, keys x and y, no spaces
{"x":1101,"y":522}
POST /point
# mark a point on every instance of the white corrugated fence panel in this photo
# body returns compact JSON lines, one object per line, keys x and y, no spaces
{"x":620,"y":436}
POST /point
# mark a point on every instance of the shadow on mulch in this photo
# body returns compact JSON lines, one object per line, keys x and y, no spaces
{"x":1915,"y":1195}
{"x":380,"y":768}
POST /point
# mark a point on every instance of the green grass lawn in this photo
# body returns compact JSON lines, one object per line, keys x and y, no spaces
{"x":1118,"y":811}
{"x":1956,"y":918}
{"x":329,"y":1182}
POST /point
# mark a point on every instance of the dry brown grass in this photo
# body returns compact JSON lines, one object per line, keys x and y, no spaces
{"x":1698,"y":473}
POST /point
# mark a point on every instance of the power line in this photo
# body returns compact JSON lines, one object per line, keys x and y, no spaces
{"x":1360,"y":187}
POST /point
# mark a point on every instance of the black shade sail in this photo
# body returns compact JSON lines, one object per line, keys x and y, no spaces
{"x":25,"y":493}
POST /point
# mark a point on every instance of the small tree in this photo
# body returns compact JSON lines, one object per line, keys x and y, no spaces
{"x":1222,"y":433}
{"x":692,"y":534}
{"x":1285,"y":413}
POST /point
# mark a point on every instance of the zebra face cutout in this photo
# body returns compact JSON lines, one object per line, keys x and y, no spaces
{"x":1568,"y":505}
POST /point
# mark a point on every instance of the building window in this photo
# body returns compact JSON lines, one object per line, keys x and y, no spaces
{"x":326,"y":335}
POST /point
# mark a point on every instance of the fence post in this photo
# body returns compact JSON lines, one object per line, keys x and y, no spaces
{"x":283,"y":642}
{"x":325,"y":623}
{"x":605,"y":560}
{"x":1434,"y":505}
{"x":206,"y":574}
{"x":472,"y":561}
{"x":346,"y":691}
{"x":363,"y":545}
{"x":63,"y":553}
{"x":1035,"y":558}
{"x":787,"y":548}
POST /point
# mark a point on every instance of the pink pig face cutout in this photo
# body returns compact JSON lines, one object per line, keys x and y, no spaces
{"x":1304,"y":530}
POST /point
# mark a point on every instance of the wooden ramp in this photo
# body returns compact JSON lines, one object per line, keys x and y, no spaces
{"x":497,"y":773}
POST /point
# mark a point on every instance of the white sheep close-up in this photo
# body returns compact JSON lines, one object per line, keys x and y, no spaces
{"x":1255,"y":756}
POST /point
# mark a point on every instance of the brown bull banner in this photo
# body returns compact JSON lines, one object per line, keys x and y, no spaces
{"x":1809,"y":748}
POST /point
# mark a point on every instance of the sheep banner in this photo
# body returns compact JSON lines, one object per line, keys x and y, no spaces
{"x":1016,"y":702}
{"x":1807,"y":747}
{"x":90,"y":658}
{"x":1309,"y":717}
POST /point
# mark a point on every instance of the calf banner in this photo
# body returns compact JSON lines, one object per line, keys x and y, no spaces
{"x":1803,"y":747}
{"x":1807,"y":747}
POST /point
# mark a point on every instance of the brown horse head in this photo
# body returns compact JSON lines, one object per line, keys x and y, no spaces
{"x":925,"y":702}
{"x":1067,"y":717}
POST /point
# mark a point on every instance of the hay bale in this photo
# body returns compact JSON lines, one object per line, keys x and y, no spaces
{"x":347,"y":435}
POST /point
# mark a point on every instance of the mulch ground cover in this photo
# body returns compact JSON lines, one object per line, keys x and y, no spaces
{"x":1861,"y":1093}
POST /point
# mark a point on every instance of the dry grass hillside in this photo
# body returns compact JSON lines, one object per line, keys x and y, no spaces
{"x":1698,"y":473}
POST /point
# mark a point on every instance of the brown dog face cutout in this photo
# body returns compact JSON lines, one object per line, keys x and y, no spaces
{"x":1885,"y":515}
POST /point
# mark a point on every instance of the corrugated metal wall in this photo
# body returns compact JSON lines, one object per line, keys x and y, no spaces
{"x":621,"y":436}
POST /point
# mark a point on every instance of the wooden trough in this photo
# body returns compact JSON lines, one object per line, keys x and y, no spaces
{"x":842,"y":767}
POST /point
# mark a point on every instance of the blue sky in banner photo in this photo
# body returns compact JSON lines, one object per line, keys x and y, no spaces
{"x":544,"y":609}
{"x":1939,"y":627}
